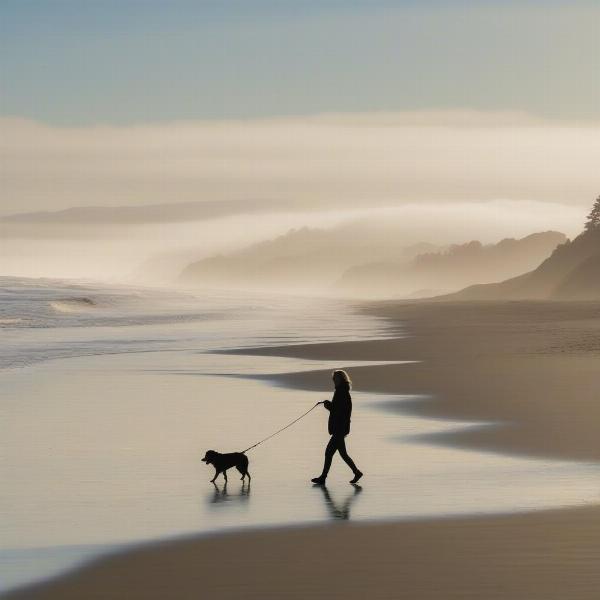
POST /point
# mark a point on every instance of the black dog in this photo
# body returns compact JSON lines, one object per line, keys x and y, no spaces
{"x":222,"y":462}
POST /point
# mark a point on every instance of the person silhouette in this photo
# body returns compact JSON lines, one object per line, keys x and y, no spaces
{"x":340,"y":409}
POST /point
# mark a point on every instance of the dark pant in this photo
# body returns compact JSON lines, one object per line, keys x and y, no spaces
{"x":336,"y":444}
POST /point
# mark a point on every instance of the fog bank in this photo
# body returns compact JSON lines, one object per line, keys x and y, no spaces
{"x":158,"y":252}
{"x":381,"y":159}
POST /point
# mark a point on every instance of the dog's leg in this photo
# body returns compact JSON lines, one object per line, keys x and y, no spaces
{"x":242,"y":471}
{"x":216,"y":475}
{"x":225,"y":475}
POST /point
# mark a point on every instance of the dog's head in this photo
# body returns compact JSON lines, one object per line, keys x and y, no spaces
{"x":210,"y":456}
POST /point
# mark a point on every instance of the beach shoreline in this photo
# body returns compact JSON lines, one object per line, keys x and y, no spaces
{"x":529,"y":368}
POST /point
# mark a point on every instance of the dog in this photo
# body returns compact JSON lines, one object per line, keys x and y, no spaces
{"x":222,"y":462}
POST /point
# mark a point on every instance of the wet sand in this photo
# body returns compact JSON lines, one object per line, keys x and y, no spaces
{"x":542,"y":556}
{"x":531,"y":368}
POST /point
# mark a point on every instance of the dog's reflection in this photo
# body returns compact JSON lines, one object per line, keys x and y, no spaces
{"x":221,"y":495}
{"x":339,"y":510}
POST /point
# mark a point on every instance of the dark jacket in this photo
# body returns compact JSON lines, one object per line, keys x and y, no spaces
{"x":340,"y":409}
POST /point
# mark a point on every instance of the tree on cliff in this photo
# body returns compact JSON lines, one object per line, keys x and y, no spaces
{"x":593,"y":219}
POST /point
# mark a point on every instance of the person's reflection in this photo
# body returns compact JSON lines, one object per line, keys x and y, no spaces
{"x":220,"y":495}
{"x":339,"y":510}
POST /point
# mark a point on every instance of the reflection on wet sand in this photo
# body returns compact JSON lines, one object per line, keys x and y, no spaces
{"x":339,"y":510}
{"x":220,"y":494}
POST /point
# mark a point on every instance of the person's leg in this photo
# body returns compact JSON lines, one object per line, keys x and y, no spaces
{"x":357,"y":472}
{"x":329,"y":452}
{"x":341,"y":446}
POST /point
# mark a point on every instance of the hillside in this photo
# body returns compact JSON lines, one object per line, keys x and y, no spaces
{"x":364,"y":260}
{"x":305,"y":258}
{"x":571,"y":272}
{"x":453,"y":268}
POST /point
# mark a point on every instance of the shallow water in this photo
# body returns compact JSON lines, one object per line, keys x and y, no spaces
{"x":101,"y":449}
{"x":42,"y":320}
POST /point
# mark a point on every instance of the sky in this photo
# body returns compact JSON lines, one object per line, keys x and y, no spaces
{"x":135,"y":102}
{"x":80,"y":62}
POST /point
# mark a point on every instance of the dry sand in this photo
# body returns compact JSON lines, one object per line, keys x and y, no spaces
{"x":530,"y":367}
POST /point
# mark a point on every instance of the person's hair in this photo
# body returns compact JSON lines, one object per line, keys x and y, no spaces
{"x":342,"y":375}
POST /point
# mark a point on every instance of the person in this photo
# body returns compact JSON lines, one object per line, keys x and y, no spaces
{"x":340,"y":410}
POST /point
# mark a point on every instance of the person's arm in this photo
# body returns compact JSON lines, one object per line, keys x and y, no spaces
{"x":328,"y":404}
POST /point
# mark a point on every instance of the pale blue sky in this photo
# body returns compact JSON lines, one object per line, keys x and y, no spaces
{"x":119,"y":61}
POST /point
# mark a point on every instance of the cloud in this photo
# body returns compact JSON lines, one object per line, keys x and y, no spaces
{"x":378,"y":159}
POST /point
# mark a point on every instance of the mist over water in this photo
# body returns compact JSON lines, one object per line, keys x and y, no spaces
{"x":113,"y":251}
{"x":142,"y":203}
{"x":158,"y":253}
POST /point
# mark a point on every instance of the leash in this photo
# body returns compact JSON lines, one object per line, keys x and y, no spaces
{"x":283,"y":428}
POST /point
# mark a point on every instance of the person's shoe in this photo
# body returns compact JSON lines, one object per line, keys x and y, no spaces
{"x":357,"y":476}
{"x":318,"y":480}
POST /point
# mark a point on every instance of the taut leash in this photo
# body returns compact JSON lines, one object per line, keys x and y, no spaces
{"x":283,"y":428}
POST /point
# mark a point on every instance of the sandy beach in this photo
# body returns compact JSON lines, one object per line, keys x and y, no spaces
{"x":528,"y":370}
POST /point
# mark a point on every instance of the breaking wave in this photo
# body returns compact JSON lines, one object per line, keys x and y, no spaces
{"x":73,"y":305}
{"x":11,"y":321}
